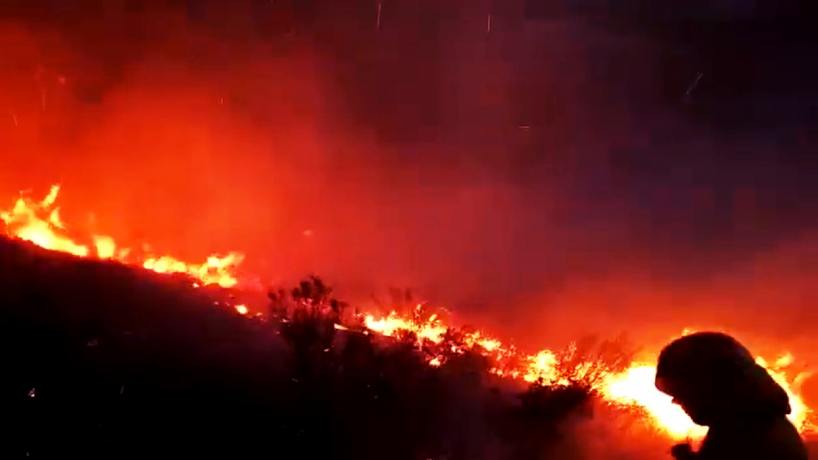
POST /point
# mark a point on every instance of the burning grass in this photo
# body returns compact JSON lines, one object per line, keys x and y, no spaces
{"x":106,"y":361}
{"x":39,"y":222}
{"x":311,"y":319}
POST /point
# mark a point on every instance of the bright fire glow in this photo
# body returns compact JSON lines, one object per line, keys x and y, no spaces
{"x":632,"y":387}
{"x":215,"y":270}
{"x":635,"y":386}
{"x":430,"y":329}
{"x":541,"y":366}
{"x":801,"y":415}
{"x":39,"y":222}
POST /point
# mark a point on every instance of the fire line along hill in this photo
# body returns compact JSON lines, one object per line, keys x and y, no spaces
{"x":101,"y":360}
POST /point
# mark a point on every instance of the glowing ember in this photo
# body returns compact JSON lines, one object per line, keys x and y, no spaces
{"x":40,"y":223}
{"x":242,"y":309}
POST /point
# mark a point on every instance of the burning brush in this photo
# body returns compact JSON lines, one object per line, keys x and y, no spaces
{"x":39,"y":222}
{"x":311,"y":316}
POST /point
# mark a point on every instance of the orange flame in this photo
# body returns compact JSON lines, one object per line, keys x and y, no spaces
{"x":26,"y":223}
{"x":632,"y":387}
{"x":430,"y":329}
{"x":39,"y":222}
{"x":635,"y":387}
{"x":215,"y":270}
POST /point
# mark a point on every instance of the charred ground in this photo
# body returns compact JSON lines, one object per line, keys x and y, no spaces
{"x":106,"y":361}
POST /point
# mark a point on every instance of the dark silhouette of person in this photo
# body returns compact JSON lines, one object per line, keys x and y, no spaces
{"x":718,"y":383}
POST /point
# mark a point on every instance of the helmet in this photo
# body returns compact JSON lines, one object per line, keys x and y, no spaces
{"x":701,"y":355}
{"x":711,"y":375}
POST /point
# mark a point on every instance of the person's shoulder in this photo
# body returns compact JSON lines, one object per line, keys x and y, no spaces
{"x":771,"y":439}
{"x":783,"y":439}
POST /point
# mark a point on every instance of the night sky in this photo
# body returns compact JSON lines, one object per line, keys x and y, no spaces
{"x":641,"y":165}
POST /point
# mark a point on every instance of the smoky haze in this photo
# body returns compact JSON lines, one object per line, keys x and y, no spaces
{"x":549,"y":170}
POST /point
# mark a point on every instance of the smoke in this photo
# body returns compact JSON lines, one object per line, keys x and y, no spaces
{"x":113,"y":361}
{"x":550,"y":173}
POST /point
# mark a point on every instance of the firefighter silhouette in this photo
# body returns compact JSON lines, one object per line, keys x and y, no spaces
{"x":718,"y":383}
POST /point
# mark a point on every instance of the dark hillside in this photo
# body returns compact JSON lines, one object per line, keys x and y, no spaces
{"x":106,"y":361}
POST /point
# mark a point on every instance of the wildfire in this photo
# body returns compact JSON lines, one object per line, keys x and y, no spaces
{"x":39,"y":222}
{"x":629,"y":386}
{"x":430,"y":329}
{"x":635,"y":386}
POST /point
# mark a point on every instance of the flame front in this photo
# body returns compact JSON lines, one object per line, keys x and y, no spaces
{"x":215,"y":270}
{"x":634,"y":387}
{"x":39,"y":222}
{"x":631,"y":388}
{"x":430,"y":329}
{"x":25,"y":221}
